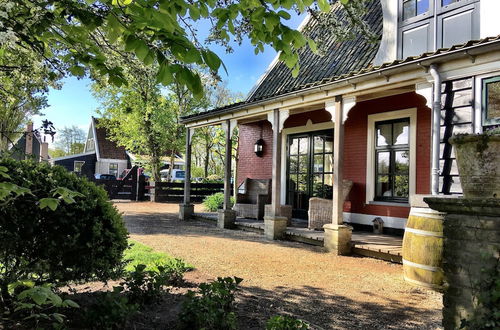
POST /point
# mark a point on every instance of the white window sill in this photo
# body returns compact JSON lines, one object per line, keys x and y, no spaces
{"x":389,"y":204}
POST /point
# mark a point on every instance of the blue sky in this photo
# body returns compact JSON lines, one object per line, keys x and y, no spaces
{"x":74,"y":104}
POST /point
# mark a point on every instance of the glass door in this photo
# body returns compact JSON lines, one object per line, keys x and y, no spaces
{"x":309,"y":169}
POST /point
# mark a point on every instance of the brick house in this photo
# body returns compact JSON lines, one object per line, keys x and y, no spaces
{"x":378,"y":115}
{"x":100,"y":155}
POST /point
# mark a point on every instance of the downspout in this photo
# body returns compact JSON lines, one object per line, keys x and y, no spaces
{"x":436,"y":128}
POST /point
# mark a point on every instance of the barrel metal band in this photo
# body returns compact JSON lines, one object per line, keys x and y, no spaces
{"x":420,"y":283}
{"x":424,"y":232}
{"x":426,"y":267}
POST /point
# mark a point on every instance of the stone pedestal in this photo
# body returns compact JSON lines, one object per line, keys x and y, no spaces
{"x":285,"y":211}
{"x":338,"y":239}
{"x":471,"y":250}
{"x":185,"y":211}
{"x":274,"y":227}
{"x":226,"y":219}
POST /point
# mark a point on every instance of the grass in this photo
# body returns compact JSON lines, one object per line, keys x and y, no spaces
{"x":139,"y":253}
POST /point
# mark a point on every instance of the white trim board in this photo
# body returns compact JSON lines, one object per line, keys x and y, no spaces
{"x":73,"y":156}
{"x":370,"y":151}
{"x":366,"y":219}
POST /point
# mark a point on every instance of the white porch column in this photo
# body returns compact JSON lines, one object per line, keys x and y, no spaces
{"x":186,"y":209}
{"x":338,"y":235}
{"x":227,"y":216}
{"x":274,"y":223}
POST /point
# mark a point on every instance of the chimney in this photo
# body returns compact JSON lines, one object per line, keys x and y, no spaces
{"x":44,"y":151}
{"x":29,"y":140}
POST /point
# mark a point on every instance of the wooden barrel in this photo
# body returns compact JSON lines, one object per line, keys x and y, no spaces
{"x":423,"y":248}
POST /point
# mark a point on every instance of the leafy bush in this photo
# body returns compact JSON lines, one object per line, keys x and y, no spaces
{"x":111,"y":311}
{"x":215,"y":202}
{"x":82,"y":239}
{"x":213,"y":307}
{"x":146,"y":286}
{"x":279,"y":322}
{"x":39,"y":306}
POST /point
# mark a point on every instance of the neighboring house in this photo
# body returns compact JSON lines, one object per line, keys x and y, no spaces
{"x":100,"y":155}
{"x":379,"y":115}
{"x":30,"y":146}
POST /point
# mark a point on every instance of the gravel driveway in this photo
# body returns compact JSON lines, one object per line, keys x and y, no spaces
{"x":328,"y":291}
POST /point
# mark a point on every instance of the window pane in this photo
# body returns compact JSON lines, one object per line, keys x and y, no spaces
{"x":302,"y":182}
{"x":409,"y":9}
{"x":401,"y":130}
{"x":401,"y":186}
{"x":318,"y":186}
{"x":303,"y":146}
{"x":384,"y":134}
{"x":383,"y":186}
{"x":402,"y":162}
{"x":318,"y":163}
{"x":328,"y":143}
{"x":383,"y":162}
{"x":303,"y":162}
{"x":294,"y":147}
{"x":329,"y":163}
{"x":294,"y":161}
{"x":493,"y":100}
{"x":447,"y":2}
{"x":329,"y":179}
{"x":422,"y":6}
{"x":318,"y":144}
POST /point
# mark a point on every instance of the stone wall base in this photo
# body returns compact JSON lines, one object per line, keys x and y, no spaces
{"x":226,"y":218}
{"x":274,"y":227}
{"x":338,"y":239}
{"x":285,"y":211}
{"x":185,"y":211}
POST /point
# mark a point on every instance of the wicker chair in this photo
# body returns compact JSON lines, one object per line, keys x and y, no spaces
{"x":320,"y":209}
{"x":251,"y":203}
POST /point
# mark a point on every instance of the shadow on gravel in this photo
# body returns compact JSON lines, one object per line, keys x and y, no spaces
{"x":167,"y":223}
{"x":327,"y":311}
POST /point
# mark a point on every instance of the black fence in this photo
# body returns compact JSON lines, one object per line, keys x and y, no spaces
{"x":164,"y":192}
{"x":131,"y":187}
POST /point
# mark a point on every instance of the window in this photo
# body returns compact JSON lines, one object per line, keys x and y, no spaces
{"x":392,"y":160}
{"x":113,"y":169}
{"x":491,"y":101}
{"x":77,"y":166}
{"x":412,"y":8}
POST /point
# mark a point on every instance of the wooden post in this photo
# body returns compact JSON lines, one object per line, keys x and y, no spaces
{"x":338,"y":164}
{"x":227,"y":167}
{"x":276,"y":170}
{"x":187,"y":170}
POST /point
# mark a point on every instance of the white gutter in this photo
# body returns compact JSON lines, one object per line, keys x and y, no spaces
{"x":436,"y":128}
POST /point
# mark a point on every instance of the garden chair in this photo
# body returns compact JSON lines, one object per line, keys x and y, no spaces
{"x":251,"y":201}
{"x":320,"y":209}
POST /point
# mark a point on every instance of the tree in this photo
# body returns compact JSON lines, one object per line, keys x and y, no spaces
{"x":70,"y":35}
{"x":71,"y":139}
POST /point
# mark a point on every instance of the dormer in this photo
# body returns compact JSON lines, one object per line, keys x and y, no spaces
{"x":414,"y":27}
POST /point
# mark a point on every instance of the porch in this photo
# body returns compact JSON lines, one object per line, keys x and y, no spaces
{"x":378,"y":246}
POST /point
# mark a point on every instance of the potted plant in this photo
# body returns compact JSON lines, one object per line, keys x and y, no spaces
{"x":478,"y":160}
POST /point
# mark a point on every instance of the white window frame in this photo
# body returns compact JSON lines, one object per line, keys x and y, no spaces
{"x":79,"y":162}
{"x":117,"y":169}
{"x":478,"y":104}
{"x":370,"y":152}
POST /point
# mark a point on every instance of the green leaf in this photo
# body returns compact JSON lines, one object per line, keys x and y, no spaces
{"x":312,"y":45}
{"x":211,"y":59}
{"x":70,"y":303}
{"x":77,"y":71}
{"x":141,"y":50}
{"x":51,"y":203}
{"x":194,"y":12}
{"x":164,"y":75}
{"x":324,"y":5}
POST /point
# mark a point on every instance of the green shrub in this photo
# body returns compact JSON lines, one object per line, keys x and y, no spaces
{"x":212,"y":308}
{"x":279,"y":322}
{"x":111,"y":311}
{"x":79,"y":240}
{"x":145,"y":286}
{"x":215,"y":202}
{"x":39,"y":306}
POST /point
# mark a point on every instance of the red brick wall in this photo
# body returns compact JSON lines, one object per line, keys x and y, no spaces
{"x":355,"y":145}
{"x":249,"y":165}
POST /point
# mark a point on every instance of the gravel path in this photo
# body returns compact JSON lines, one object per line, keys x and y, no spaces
{"x":328,"y":291}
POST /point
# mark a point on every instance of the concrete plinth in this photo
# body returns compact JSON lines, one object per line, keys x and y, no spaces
{"x":285,"y":211}
{"x":226,"y":218}
{"x":338,"y":239}
{"x":274,"y":227}
{"x":185,"y":211}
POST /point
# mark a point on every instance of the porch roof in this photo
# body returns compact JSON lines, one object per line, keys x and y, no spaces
{"x":470,"y":49}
